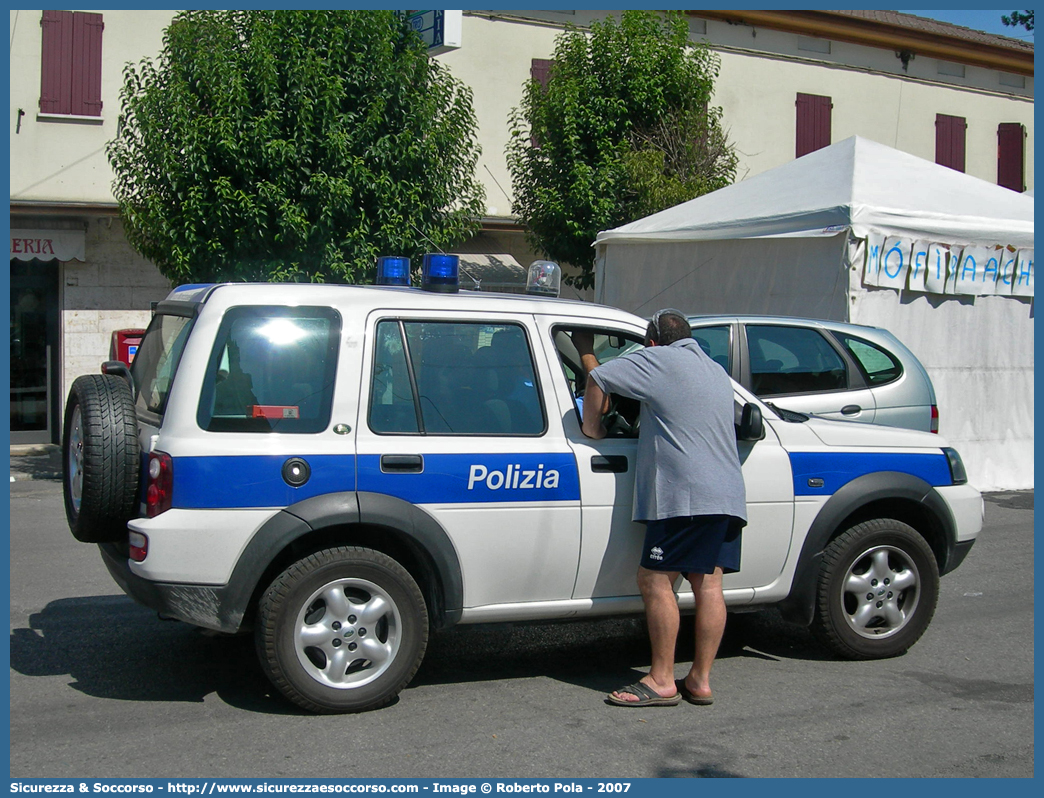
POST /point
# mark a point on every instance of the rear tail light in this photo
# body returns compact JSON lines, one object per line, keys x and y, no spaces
{"x":139,"y":546}
{"x":160,"y":485}
{"x":935,"y":420}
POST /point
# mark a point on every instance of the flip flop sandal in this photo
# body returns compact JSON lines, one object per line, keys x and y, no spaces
{"x":687,"y":694}
{"x":647,"y":697}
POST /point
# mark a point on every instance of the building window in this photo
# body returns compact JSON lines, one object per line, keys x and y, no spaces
{"x":1011,"y":156}
{"x":813,"y":123}
{"x":949,"y":141}
{"x":697,"y":27}
{"x":948,"y":68}
{"x":1015,"y":81}
{"x":70,"y":69}
{"x":811,"y":45}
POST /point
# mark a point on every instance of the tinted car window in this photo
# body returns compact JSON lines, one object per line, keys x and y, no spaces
{"x":878,"y":366}
{"x":467,"y":378}
{"x":271,"y":370}
{"x":785,"y":360}
{"x":392,"y":406}
{"x":157,"y":361}
{"x":715,"y":342}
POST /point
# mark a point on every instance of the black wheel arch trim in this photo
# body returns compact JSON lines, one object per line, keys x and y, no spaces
{"x":416,"y":528}
{"x":226,"y":607}
{"x":799,"y":605}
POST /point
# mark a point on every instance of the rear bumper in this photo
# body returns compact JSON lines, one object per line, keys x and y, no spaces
{"x":201,"y":605}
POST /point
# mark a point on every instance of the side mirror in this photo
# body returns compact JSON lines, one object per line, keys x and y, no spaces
{"x":752,"y":425}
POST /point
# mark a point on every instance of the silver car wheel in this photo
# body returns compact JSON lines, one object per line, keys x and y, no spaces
{"x":880,"y":592}
{"x":74,"y":462}
{"x":347,"y":633}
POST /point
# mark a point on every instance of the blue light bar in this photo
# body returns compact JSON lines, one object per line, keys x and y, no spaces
{"x":441,"y":272}
{"x":393,"y":270}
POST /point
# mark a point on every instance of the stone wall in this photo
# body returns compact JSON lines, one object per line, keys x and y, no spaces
{"x":112,"y":290}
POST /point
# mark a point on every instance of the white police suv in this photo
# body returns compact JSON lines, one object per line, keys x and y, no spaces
{"x":342,"y":469}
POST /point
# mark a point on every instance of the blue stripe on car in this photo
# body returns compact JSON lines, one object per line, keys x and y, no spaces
{"x":255,"y":480}
{"x":471,"y":478}
{"x":244,"y":481}
{"x":837,"y":469}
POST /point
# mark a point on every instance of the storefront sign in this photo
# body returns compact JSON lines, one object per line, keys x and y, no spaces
{"x":27,"y":245}
{"x":973,"y":269}
{"x":439,"y":30}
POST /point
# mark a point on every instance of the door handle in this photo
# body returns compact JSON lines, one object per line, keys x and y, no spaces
{"x":402,"y":463}
{"x":613,"y":463}
{"x":850,"y":410}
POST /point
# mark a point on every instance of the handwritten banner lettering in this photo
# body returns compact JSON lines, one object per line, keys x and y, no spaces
{"x":930,"y":267}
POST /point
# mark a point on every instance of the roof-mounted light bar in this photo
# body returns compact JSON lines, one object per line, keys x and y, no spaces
{"x":393,"y":270}
{"x":441,"y":272}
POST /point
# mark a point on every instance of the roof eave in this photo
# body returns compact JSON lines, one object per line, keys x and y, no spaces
{"x":874,"y":33}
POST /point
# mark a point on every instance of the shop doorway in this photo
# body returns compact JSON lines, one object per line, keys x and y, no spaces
{"x":34,"y":352}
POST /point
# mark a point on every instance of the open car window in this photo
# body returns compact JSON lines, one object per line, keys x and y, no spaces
{"x":608,"y":345}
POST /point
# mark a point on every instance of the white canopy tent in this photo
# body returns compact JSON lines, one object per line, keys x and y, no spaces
{"x":864,"y":233}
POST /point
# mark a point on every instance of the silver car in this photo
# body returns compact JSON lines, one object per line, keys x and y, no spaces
{"x":823,"y":368}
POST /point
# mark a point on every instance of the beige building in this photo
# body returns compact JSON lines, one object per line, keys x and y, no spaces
{"x":790,"y":82}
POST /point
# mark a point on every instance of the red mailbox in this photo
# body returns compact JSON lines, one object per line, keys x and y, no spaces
{"x":124,"y":345}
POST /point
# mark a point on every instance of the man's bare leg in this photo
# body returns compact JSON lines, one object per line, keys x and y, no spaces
{"x":661,"y":613}
{"x":710,"y":626}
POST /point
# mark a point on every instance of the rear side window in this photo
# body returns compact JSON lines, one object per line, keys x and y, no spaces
{"x":789,"y":360}
{"x":454,"y":378}
{"x":157,"y":361}
{"x":878,"y":366}
{"x":272,"y":370}
{"x":714,"y":341}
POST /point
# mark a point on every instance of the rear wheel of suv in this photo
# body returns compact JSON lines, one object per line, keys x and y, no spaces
{"x":101,"y":458}
{"x":343,"y":630}
{"x":877,"y":591}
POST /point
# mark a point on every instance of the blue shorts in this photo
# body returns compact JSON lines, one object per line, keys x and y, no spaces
{"x":693,"y":544}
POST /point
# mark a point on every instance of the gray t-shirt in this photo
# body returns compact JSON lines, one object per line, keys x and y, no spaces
{"x":688,"y":462}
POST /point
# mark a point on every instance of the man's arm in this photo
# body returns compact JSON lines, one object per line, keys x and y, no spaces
{"x":596,"y":404}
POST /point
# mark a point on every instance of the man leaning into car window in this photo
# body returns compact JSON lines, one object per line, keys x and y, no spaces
{"x":689,"y":493}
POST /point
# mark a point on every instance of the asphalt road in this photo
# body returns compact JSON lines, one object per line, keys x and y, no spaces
{"x":100,"y":687}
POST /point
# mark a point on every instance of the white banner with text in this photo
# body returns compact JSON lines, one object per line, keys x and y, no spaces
{"x":930,"y":267}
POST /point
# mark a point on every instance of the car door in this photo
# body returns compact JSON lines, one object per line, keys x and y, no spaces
{"x":611,"y":542}
{"x":453,"y":421}
{"x":798,"y":367}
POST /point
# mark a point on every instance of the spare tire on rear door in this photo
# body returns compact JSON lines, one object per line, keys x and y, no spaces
{"x":101,"y":458}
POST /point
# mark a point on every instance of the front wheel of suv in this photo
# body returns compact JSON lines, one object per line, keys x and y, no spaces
{"x":342,"y":630}
{"x":878,"y":587}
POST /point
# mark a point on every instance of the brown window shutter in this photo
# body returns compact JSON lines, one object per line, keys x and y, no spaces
{"x":87,"y":60}
{"x":71,"y":63}
{"x":539,"y":70}
{"x":1011,"y":156}
{"x":949,"y":141}
{"x":56,"y":61}
{"x":813,"y":123}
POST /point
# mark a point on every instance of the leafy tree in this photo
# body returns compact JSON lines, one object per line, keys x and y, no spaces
{"x":623,"y":128}
{"x":1024,"y":19}
{"x":295,"y":146}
